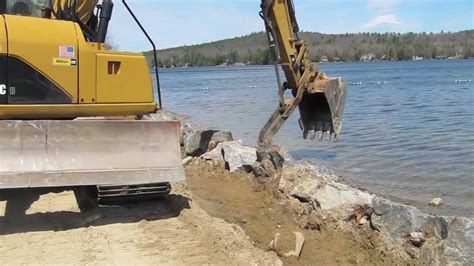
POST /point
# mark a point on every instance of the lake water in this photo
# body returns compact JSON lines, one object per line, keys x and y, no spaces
{"x":408,"y":128}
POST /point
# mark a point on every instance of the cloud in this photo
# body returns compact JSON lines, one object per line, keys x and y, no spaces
{"x":383,"y":4}
{"x":384,"y":13}
{"x":381,"y":20}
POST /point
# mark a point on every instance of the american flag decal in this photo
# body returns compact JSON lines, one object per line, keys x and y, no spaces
{"x":67,"y":51}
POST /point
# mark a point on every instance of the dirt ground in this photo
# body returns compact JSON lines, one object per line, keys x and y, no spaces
{"x":236,"y":198}
{"x":167,"y":232}
{"x":200,"y":223}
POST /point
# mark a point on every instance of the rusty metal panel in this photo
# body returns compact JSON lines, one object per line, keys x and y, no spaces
{"x":88,"y":152}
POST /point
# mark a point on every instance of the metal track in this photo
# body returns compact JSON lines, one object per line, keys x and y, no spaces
{"x":127,"y":193}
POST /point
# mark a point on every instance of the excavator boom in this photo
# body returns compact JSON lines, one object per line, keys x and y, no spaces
{"x":320,"y":99}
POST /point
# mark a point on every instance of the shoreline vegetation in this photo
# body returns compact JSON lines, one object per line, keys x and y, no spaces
{"x":252,"y":49}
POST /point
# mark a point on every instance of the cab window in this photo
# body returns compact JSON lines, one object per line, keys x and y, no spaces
{"x":32,"y":8}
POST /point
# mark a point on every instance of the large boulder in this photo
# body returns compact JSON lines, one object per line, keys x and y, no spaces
{"x":216,"y":154}
{"x":313,"y":183}
{"x":201,"y":141}
{"x":299,"y":180}
{"x":398,"y":220}
{"x":236,"y":155}
{"x":459,"y":244}
{"x":335,"y":195}
{"x":188,"y":129}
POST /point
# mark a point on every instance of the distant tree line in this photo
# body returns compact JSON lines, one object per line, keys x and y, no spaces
{"x":253,"y":49}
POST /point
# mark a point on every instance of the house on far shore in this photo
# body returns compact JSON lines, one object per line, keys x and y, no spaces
{"x":368,"y":57}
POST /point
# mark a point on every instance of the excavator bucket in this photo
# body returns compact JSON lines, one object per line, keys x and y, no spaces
{"x":321,"y":108}
{"x":89,"y":152}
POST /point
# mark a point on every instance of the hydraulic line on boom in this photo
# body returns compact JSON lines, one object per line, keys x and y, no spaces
{"x":320,"y":98}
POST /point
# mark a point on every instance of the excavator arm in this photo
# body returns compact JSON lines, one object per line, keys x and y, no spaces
{"x":84,"y":9}
{"x":321,"y":99}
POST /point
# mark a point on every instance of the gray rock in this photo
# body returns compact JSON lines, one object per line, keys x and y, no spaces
{"x":202,"y":141}
{"x":334,"y":195}
{"x":196,"y":144}
{"x":258,"y":170}
{"x":397,"y":219}
{"x":299,"y":180}
{"x":163,"y":115}
{"x":237,"y":155}
{"x":302,"y":180}
{"x":264,"y":169}
{"x":216,"y":154}
{"x":279,"y":248}
{"x":219,"y":137}
{"x":436,"y":202}
{"x":270,"y":155}
{"x":459,"y":244}
{"x":187,"y":160}
{"x":417,"y":238}
{"x":304,"y":168}
{"x":284,"y":152}
{"x":436,"y":226}
{"x":188,"y":128}
{"x":299,"y":242}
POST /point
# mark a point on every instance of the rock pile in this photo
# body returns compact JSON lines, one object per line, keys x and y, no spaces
{"x":313,"y":190}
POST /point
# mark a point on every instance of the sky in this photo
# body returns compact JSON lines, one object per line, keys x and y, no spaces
{"x":173,"y":23}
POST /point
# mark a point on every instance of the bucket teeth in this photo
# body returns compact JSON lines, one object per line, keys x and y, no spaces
{"x":319,"y":126}
{"x":327,"y":127}
{"x":320,"y":135}
{"x":300,"y":123}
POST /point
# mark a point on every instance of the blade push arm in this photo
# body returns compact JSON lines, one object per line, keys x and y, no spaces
{"x":320,"y":99}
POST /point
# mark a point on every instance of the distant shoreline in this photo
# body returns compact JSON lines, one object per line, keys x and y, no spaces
{"x":328,"y":62}
{"x":253,"y":49}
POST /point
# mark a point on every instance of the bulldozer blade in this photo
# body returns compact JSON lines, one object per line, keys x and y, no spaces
{"x":89,"y":152}
{"x":322,"y":106}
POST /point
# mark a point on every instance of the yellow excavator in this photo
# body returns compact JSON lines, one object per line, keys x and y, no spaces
{"x":76,"y":115}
